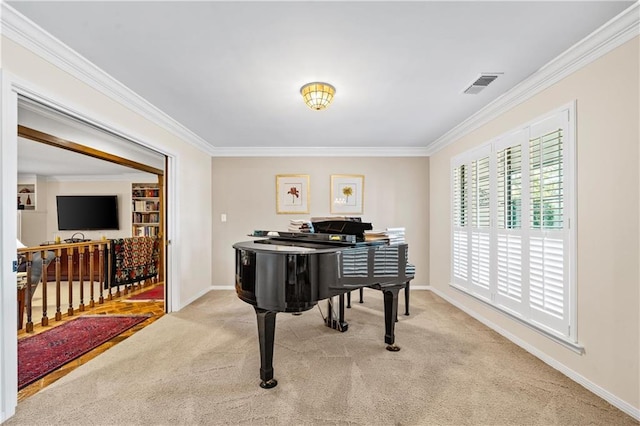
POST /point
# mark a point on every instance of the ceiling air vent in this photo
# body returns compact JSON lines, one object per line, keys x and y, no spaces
{"x":481,"y":83}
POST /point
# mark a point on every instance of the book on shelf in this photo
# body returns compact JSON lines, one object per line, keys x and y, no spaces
{"x":145,"y":231}
{"x":145,"y":192}
{"x":145,"y":206}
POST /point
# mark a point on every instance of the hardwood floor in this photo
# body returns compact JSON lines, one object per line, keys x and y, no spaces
{"x":109,"y":307}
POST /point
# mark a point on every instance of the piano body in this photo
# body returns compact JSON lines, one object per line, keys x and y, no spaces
{"x":291,"y":272}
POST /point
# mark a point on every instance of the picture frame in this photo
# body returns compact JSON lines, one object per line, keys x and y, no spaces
{"x":292,"y":194}
{"x":347,"y":194}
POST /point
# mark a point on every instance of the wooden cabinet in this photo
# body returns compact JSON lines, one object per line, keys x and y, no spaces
{"x":145,"y":209}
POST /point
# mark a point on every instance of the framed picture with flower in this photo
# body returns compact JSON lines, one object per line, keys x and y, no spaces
{"x":292,"y":194}
{"x":347,"y":194}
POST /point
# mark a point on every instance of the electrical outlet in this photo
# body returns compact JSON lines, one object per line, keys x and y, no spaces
{"x":223,"y":217}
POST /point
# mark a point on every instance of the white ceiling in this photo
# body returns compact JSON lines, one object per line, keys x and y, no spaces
{"x":231,"y":71}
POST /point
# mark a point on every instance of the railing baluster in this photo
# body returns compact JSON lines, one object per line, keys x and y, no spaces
{"x":101,"y":269}
{"x":27,"y":297}
{"x":91,"y":274}
{"x":58,"y":272}
{"x":70,"y":279}
{"x":45,"y":319}
{"x":118,"y":294}
{"x":81,"y":251}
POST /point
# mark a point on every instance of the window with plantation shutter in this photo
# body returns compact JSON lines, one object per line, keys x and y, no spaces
{"x":509,"y":226}
{"x":545,"y":171}
{"x":480,"y":226}
{"x":548,"y":295}
{"x":511,"y":235}
{"x":460,"y":217}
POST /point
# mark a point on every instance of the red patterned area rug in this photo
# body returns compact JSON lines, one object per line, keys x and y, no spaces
{"x":156,"y":293}
{"x":47,"y":351}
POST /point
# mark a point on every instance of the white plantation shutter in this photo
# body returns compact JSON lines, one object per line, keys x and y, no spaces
{"x":547,"y":278}
{"x":480,"y":266}
{"x":511,"y":211}
{"x":509,"y":223}
{"x":546,"y":183}
{"x":480,"y":186}
{"x":509,"y":261}
{"x":509,"y":187}
{"x":480,"y":226}
{"x":460,"y":257}
{"x":548,"y":284}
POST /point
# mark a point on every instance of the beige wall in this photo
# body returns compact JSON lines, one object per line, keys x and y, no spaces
{"x":191,"y":244}
{"x":396,"y":193}
{"x":606,"y":92}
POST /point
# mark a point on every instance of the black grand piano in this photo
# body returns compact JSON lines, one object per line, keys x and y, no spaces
{"x":292,"y":271}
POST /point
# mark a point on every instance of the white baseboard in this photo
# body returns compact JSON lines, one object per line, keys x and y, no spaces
{"x":576,"y":377}
{"x":222,"y":287}
{"x":194,"y":298}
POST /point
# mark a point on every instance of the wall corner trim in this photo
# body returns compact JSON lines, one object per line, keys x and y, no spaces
{"x":609,"y":36}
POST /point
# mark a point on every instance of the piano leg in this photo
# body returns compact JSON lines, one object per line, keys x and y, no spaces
{"x":390,"y":316}
{"x":406,"y":298}
{"x":266,"y":335}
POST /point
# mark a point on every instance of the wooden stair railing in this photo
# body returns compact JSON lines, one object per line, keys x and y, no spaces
{"x":76,"y":259}
{"x":95,"y":262}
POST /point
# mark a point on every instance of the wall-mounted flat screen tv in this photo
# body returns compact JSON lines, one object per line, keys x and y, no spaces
{"x":87,"y":212}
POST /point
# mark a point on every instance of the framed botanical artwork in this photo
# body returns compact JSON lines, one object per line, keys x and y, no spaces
{"x":347,"y":194}
{"x":292,"y":194}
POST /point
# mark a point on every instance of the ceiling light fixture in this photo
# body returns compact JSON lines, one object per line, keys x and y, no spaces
{"x":317,"y":95}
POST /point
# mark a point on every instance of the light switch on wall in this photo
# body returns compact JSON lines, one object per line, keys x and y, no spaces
{"x":223,"y":217}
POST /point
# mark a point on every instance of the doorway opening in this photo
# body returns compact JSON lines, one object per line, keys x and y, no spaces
{"x":54,"y":158}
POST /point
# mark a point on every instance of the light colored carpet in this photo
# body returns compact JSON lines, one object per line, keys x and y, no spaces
{"x":201,"y":366}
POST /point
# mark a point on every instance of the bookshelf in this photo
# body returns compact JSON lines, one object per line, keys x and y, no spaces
{"x":145,"y":209}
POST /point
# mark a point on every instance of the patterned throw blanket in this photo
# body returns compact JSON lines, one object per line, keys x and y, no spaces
{"x":134,"y":259}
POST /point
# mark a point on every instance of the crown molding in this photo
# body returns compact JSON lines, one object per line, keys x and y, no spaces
{"x":29,"y":35}
{"x":609,"y":36}
{"x":320,"y":152}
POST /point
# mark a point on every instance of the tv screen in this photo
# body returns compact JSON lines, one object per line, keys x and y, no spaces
{"x":87,"y":212}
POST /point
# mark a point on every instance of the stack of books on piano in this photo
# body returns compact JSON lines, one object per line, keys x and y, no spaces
{"x":396,"y":235}
{"x":300,"y":225}
{"x":374,"y":235}
{"x":390,"y":235}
